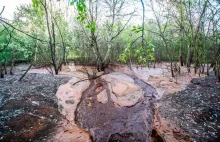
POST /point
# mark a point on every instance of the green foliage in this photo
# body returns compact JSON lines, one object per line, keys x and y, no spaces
{"x":81,"y":8}
{"x":136,"y":29}
{"x":127,"y":47}
{"x":22,"y":45}
{"x":35,"y":3}
{"x":126,"y":54}
{"x":143,"y":54}
{"x":91,"y":26}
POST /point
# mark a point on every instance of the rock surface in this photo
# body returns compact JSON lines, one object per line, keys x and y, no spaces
{"x":103,"y":97}
{"x":105,"y":122}
{"x":66,"y":132}
{"x":123,"y":90}
{"x":69,"y":96}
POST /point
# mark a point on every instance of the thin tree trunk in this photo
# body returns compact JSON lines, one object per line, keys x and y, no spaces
{"x":188,"y":63}
{"x":1,"y":71}
{"x":35,"y":55}
{"x":207,"y":69}
{"x":5,"y":63}
{"x":217,"y":68}
{"x":172,"y":73}
{"x":181,"y":36}
{"x":180,"y":52}
{"x":12,"y":61}
{"x":56,"y":67}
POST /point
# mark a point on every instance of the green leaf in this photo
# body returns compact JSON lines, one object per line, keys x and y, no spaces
{"x":71,"y":3}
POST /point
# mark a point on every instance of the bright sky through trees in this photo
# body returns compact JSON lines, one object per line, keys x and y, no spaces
{"x":10,"y":7}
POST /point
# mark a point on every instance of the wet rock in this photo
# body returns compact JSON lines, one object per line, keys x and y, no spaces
{"x":125,"y":137}
{"x":105,"y":122}
{"x":103,"y":97}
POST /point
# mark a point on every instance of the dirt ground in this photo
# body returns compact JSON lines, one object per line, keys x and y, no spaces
{"x":184,"y":108}
{"x":28,"y":108}
{"x":196,"y":109}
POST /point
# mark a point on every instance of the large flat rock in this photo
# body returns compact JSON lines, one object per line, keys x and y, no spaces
{"x":120,"y":119}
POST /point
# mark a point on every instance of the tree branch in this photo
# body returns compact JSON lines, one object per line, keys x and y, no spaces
{"x":2,"y":10}
{"x":23,"y":31}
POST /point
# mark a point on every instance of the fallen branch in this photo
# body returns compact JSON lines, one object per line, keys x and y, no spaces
{"x":92,"y":78}
{"x":25,"y":72}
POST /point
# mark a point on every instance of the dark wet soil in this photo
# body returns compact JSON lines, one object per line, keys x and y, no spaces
{"x":106,"y":122}
{"x":28,"y":109}
{"x":196,"y":109}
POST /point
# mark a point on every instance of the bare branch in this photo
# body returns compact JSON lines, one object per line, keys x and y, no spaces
{"x":2,"y":10}
{"x":22,"y":31}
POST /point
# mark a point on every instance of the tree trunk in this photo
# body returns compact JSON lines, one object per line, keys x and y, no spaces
{"x":207,"y":69}
{"x":181,"y":36}
{"x":217,"y":70}
{"x":189,"y":58}
{"x":5,"y":63}
{"x":109,"y":46}
{"x":35,"y":55}
{"x":1,"y":71}
{"x":181,"y":54}
{"x":12,"y":61}
{"x":172,"y":73}
{"x":196,"y":57}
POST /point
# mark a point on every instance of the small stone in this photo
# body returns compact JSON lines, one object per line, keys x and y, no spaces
{"x":35,"y":103}
{"x":90,"y":104}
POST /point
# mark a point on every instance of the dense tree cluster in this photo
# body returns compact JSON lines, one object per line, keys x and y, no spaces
{"x":52,"y":33}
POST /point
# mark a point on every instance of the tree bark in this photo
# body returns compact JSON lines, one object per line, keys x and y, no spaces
{"x":181,"y":35}
{"x":12,"y":61}
{"x":5,"y":64}
{"x":1,"y":71}
{"x":180,"y":50}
